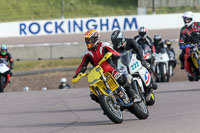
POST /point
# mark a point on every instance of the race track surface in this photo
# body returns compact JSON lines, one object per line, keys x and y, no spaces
{"x":176,"y":110}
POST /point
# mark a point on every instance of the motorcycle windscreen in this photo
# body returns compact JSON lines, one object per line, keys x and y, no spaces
{"x":126,"y":58}
{"x":146,"y":48}
{"x":171,"y":55}
{"x":95,"y":73}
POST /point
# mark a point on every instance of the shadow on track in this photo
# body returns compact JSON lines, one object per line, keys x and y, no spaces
{"x":55,"y":111}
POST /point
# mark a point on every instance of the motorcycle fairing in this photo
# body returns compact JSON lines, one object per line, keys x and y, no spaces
{"x":161,"y":57}
{"x":95,"y":78}
{"x":3,"y":68}
{"x":95,"y":73}
{"x":134,"y":65}
{"x":145,"y":75}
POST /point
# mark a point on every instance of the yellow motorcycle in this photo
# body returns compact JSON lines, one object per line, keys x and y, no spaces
{"x":112,"y":97}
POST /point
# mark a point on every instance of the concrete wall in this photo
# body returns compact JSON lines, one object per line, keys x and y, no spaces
{"x":35,"y":52}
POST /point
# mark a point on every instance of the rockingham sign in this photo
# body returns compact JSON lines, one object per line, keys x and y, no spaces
{"x":69,"y":26}
{"x":80,"y":25}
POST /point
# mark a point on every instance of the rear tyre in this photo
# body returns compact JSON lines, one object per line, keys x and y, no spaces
{"x":139,"y":109}
{"x":112,"y":112}
{"x":196,"y":76}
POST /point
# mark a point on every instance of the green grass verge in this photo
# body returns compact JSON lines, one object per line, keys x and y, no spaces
{"x":45,"y":64}
{"x":15,"y":10}
{"x":20,"y":10}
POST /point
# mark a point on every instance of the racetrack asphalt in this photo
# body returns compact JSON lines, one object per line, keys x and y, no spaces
{"x":176,"y":110}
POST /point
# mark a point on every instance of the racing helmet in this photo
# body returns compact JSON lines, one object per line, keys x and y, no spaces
{"x":117,"y":39}
{"x":91,"y":38}
{"x":168,"y":43}
{"x":188,"y":18}
{"x":142,"y":31}
{"x":157,"y":39}
{"x":63,"y":80}
{"x":4,"y":49}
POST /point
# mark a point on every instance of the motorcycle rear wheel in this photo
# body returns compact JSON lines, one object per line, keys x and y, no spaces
{"x":139,"y":109}
{"x":110,"y":111}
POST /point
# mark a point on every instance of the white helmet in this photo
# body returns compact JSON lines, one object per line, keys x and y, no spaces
{"x":188,"y":18}
{"x":63,"y":80}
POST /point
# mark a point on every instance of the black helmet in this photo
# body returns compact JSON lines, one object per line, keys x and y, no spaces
{"x":157,"y":39}
{"x":142,"y":31}
{"x":117,"y":39}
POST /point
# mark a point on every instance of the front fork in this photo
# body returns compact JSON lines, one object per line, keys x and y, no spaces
{"x":109,"y":91}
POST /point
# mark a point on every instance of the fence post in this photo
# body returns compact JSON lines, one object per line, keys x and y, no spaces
{"x":63,"y":8}
{"x":153,"y":7}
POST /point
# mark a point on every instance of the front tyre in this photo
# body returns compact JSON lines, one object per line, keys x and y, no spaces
{"x":113,"y":113}
{"x":163,"y":72}
{"x":151,"y":101}
{"x":1,"y":83}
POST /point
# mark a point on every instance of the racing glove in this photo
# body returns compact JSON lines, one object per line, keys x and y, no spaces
{"x":146,"y":64}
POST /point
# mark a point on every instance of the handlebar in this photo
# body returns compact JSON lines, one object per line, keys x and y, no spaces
{"x":80,"y":75}
{"x":186,"y":46}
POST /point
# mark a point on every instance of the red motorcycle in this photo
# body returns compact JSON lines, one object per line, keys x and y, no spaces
{"x":4,"y":74}
{"x":147,"y":52}
{"x":191,"y":61}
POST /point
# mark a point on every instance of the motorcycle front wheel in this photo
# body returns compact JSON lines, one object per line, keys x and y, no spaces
{"x":1,"y":83}
{"x":151,"y":101}
{"x":163,"y":72}
{"x":113,"y":113}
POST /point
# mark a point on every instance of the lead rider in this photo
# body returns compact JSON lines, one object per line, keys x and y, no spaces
{"x":96,"y":49}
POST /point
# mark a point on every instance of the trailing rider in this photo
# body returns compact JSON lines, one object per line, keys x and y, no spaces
{"x":189,"y":34}
{"x":121,"y":43}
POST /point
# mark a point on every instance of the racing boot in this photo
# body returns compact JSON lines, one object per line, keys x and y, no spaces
{"x":132,"y":95}
{"x":182,"y":66}
{"x":122,"y":80}
{"x":154,"y":85}
{"x":182,"y":63}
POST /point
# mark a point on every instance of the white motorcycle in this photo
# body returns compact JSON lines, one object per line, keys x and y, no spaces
{"x":161,"y":66}
{"x":4,"y":74}
{"x":128,"y":63}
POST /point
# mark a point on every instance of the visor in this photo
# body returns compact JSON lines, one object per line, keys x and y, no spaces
{"x":119,"y":42}
{"x":90,"y":41}
{"x":187,"y":20}
{"x":142,"y":34}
